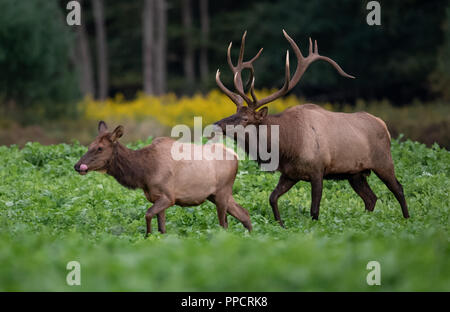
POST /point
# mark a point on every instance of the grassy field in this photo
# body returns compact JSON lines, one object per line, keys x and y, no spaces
{"x":50,"y":215}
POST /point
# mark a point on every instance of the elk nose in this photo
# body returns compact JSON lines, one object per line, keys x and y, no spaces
{"x":76,"y":167}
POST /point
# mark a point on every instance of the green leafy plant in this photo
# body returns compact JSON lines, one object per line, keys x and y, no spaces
{"x":50,"y":215}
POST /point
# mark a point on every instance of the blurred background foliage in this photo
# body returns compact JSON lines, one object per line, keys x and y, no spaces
{"x":427,"y":123}
{"x":34,"y":58}
{"x":137,"y":53}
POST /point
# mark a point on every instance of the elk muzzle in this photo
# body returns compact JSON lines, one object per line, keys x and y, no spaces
{"x":81,"y":168}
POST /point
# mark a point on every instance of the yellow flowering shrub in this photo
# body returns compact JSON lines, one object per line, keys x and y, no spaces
{"x":144,"y":115}
{"x":170,"y":110}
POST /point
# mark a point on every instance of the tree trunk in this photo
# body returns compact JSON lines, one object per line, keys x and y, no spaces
{"x":161,"y":47}
{"x":148,"y":22}
{"x":204,"y":24}
{"x":188,"y":58}
{"x":102,"y":51}
{"x":83,"y":61}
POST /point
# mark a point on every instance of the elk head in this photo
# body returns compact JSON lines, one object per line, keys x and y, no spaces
{"x":250,"y":115}
{"x":100,"y":152}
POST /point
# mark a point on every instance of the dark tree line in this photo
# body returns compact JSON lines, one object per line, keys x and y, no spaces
{"x":154,"y":33}
{"x":156,"y":46}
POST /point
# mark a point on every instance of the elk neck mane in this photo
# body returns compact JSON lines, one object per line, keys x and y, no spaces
{"x":289,"y":141}
{"x":287,"y":148}
{"x":125,"y":166}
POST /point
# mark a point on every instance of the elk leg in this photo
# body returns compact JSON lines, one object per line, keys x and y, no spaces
{"x":221,"y":205}
{"x":221,"y":211}
{"x":316,"y":196}
{"x":161,"y":221}
{"x":389,"y":179}
{"x":159,"y":206}
{"x":359,"y":184}
{"x":284,"y":185}
{"x":222,"y":215}
{"x":240,"y":213}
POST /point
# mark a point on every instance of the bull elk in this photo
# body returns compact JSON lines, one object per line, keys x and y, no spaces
{"x":167,"y":181}
{"x":314,"y":143}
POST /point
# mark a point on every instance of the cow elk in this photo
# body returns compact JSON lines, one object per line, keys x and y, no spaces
{"x":314,"y":143}
{"x":164,"y":180}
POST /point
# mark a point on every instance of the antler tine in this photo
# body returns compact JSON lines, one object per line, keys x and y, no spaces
{"x":294,"y":46}
{"x":237,"y":79}
{"x":303,"y":63}
{"x":252,"y":90}
{"x":238,"y":85}
{"x":249,"y":65}
{"x":233,"y":96}
{"x":317,"y":56}
{"x":287,"y":73}
{"x":336,"y":66}
{"x":241,"y":51}
{"x":250,"y":79}
{"x":255,"y":57}
{"x":241,"y":65}
{"x":230,"y":63}
{"x":280,"y":92}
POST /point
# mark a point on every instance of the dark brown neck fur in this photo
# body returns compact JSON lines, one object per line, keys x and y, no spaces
{"x":269,"y":121}
{"x":125,"y":168}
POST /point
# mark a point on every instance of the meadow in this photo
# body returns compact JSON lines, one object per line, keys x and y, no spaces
{"x":50,"y":215}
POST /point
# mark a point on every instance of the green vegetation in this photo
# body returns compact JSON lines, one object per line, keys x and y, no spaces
{"x":37,"y":78}
{"x":50,"y":215}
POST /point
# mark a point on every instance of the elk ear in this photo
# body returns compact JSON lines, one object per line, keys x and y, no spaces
{"x":102,"y":127}
{"x":262,"y":113}
{"x":116,"y":134}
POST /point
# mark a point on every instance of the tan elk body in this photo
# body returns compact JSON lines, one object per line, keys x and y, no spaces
{"x":165,"y":180}
{"x":315,"y":144}
{"x":335,"y":143}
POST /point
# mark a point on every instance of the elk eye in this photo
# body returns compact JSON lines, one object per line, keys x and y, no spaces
{"x":99,"y":149}
{"x":245,"y":119}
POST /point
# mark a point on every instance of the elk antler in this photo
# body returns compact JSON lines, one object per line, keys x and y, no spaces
{"x":302,"y":65}
{"x":241,"y":65}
